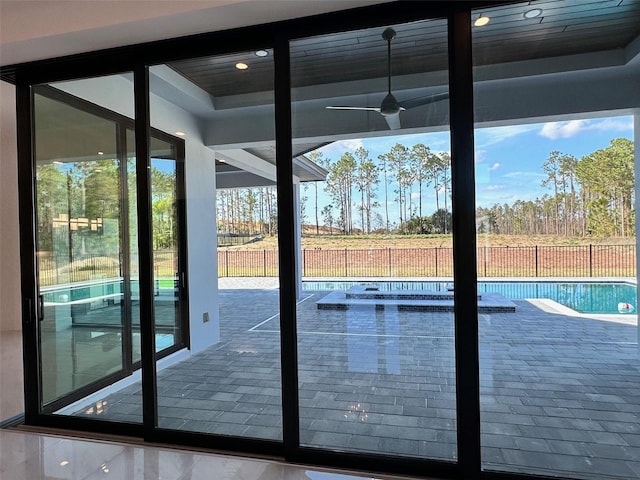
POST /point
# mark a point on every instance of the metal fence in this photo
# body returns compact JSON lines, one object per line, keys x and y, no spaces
{"x":532,"y":261}
{"x":56,"y":270}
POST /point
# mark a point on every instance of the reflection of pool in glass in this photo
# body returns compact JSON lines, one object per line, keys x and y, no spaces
{"x":583,"y":297}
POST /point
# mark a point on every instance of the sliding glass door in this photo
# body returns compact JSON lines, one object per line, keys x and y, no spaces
{"x":376,"y":362}
{"x":87,"y":248}
{"x":83,"y":255}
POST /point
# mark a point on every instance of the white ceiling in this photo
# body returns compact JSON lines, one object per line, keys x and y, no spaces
{"x":38,"y":29}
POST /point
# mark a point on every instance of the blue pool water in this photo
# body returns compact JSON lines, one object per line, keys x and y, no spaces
{"x":583,"y":297}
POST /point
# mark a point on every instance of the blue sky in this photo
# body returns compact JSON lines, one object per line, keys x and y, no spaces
{"x":508,"y":159}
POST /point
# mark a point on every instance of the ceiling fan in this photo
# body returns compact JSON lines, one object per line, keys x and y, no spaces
{"x":390,"y":108}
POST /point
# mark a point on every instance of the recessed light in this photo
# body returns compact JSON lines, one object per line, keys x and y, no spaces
{"x":100,"y":153}
{"x":241,"y":66}
{"x":262,"y":53}
{"x":481,"y":21}
{"x":64,"y":463}
{"x":57,"y":162}
{"x":533,"y":13}
{"x":180,"y":134}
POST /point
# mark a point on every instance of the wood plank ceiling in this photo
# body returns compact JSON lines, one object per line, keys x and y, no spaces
{"x":563,"y":27}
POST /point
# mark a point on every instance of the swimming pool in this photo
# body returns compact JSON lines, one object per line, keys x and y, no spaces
{"x":583,"y":297}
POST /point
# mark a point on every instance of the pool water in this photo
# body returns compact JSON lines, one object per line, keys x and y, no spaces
{"x":583,"y":297}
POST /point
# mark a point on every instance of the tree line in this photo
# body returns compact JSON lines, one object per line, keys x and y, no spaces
{"x":362,"y":189}
{"x":593,"y":195}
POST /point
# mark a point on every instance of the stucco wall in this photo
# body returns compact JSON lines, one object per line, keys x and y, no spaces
{"x":9,"y":241}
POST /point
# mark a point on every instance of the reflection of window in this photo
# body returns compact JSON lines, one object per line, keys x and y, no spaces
{"x":82,"y":224}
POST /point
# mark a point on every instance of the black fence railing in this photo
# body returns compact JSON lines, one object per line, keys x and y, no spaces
{"x":57,"y":269}
{"x":530,"y":261}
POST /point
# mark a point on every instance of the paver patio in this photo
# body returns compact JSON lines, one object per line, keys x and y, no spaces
{"x":560,"y":394}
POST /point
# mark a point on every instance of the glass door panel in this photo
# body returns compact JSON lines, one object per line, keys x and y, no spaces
{"x":555,"y":188}
{"x":168,"y":273}
{"x":82,"y":247}
{"x":229,"y":381}
{"x":375,"y":307}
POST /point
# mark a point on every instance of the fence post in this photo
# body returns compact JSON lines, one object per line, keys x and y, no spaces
{"x":227,"y":261}
{"x":536,"y":260}
{"x":264,"y":262}
{"x":304,"y":264}
{"x":346,"y":273}
{"x":590,"y":260}
{"x":436,"y":262}
{"x":389,"y":257}
{"x":486,"y":259}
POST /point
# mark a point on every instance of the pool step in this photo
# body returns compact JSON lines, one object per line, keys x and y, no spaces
{"x":373,"y":292}
{"x":408,"y":300}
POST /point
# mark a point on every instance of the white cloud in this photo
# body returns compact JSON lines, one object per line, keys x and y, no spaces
{"x":494,"y":167}
{"x":556,"y":130}
{"x":480,"y":156}
{"x":486,"y":137}
{"x":342,"y":146}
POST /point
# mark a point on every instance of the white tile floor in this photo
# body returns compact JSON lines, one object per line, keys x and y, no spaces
{"x":11,"y":390}
{"x":35,"y":456}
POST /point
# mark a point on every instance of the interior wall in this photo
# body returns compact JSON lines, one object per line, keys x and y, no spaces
{"x":200,"y":180}
{"x":10,"y":314}
{"x":11,"y":381}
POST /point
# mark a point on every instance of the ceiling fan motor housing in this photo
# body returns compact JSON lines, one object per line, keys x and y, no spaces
{"x":390,"y":105}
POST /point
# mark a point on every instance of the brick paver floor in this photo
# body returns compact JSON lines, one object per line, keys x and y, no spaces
{"x":560,"y":394}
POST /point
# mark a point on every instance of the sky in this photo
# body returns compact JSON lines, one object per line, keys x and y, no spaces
{"x":508,"y":160}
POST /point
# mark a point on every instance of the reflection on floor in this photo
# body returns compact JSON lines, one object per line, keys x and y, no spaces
{"x":11,"y":389}
{"x":31,"y":456}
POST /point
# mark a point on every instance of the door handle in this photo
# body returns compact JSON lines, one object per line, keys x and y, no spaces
{"x":40,"y":308}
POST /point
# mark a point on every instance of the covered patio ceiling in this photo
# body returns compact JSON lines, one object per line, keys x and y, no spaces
{"x":534,"y":61}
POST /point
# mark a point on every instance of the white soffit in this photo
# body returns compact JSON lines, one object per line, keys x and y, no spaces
{"x":27,"y":32}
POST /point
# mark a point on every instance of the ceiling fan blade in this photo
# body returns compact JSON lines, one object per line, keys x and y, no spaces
{"x":393,"y":121}
{"x":371,"y":109}
{"x":417,"y":102}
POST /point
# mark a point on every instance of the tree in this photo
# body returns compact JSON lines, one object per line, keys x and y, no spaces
{"x":420,"y":157}
{"x":384,"y":159}
{"x":327,"y":215}
{"x":551,"y":167}
{"x":163,"y":207}
{"x":397,"y":158}
{"x":568,"y":164}
{"x":441,"y":221}
{"x":340,"y":184}
{"x":607,"y":178}
{"x":317,"y":158}
{"x":53,"y":187}
{"x":366,"y":180}
{"x":445,"y":179}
